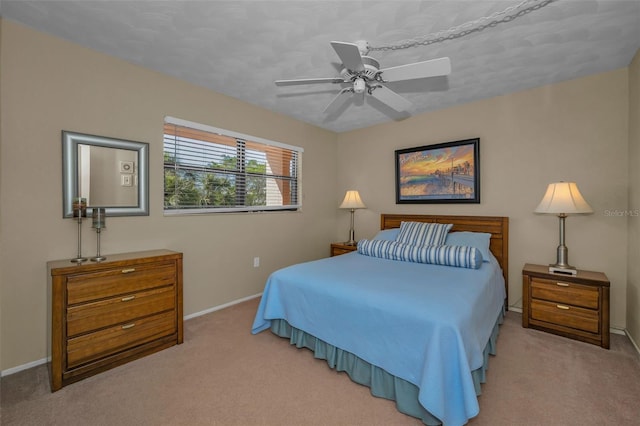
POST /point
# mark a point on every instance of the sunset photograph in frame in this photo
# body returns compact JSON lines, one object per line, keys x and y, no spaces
{"x":442,"y":173}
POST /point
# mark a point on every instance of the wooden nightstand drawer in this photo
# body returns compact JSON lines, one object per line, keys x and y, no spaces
{"x":565,"y":315}
{"x":341,"y":248}
{"x":564,"y":292}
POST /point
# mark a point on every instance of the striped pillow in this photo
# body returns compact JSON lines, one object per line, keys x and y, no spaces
{"x":423,"y":234}
{"x":458,"y":256}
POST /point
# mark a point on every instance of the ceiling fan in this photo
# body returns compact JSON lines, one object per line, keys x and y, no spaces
{"x":362,"y":75}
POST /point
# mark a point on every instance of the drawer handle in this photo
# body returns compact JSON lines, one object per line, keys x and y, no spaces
{"x":562,"y":307}
{"x":563,"y":284}
{"x":128,"y":298}
{"x":128,"y":271}
{"x":126,"y":326}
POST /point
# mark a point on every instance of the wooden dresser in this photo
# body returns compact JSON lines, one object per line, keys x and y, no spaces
{"x":572,"y":306}
{"x":104,"y":314}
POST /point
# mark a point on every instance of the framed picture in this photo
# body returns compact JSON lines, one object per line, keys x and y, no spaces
{"x":442,"y":173}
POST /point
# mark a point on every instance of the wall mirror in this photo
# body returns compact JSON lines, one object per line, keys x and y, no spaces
{"x":109,"y":173}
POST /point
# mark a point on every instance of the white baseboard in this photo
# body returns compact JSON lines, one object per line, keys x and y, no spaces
{"x":617,"y":331}
{"x":26,"y":366}
{"x":32,"y":364}
{"x":217,"y":308}
{"x":633,"y":342}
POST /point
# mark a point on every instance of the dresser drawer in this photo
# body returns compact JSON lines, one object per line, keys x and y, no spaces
{"x":91,"y":316}
{"x":565,"y":293}
{"x":565,"y":315}
{"x":95,"y":345}
{"x":113,"y":282}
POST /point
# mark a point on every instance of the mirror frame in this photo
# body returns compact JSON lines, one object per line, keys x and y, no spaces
{"x":70,"y":142}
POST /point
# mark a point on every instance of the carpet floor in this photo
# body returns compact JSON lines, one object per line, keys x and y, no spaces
{"x":223,"y":375}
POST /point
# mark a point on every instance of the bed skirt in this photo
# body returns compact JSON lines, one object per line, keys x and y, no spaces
{"x":381,"y":383}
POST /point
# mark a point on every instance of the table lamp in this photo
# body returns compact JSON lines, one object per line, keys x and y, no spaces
{"x":563,"y":199}
{"x":352,"y":201}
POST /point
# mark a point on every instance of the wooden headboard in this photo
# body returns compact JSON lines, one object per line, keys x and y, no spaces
{"x":497,"y":226}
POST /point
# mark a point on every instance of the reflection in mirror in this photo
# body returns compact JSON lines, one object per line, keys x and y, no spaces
{"x":107,"y":176}
{"x":109,"y":173}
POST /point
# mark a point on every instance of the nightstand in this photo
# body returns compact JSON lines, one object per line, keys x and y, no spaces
{"x":573,"y":306}
{"x":341,"y":248}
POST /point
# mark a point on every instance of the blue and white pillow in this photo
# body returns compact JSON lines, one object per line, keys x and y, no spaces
{"x":423,"y":234}
{"x":458,"y":256}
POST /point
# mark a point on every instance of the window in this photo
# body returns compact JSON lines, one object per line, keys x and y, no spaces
{"x":214,"y":170}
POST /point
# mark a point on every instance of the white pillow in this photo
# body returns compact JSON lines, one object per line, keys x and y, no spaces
{"x":423,"y":234}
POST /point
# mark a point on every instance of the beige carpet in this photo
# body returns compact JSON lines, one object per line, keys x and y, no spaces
{"x":223,"y":375}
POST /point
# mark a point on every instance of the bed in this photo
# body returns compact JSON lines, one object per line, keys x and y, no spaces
{"x":417,"y":333}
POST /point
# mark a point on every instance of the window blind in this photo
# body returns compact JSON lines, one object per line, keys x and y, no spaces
{"x":207,"y":169}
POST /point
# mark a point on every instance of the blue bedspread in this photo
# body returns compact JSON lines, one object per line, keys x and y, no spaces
{"x":427,"y":324}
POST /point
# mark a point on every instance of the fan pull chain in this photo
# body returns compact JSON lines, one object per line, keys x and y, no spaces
{"x":506,"y":15}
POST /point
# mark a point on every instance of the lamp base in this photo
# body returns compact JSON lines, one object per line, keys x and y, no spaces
{"x":352,"y":234}
{"x":563,"y":270}
{"x":79,"y":260}
{"x":98,"y":258}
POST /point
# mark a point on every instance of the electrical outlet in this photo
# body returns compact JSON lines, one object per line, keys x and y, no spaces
{"x":256,"y":262}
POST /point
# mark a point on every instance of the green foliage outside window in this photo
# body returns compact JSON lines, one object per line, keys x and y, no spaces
{"x":214,"y":186}
{"x":208,"y":169}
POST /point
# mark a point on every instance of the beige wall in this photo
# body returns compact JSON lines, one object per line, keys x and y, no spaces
{"x":572,"y":131}
{"x":633,"y":285}
{"x":48,"y":85}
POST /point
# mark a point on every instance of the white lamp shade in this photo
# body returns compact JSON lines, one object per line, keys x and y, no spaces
{"x":352,"y":200}
{"x":563,"y":198}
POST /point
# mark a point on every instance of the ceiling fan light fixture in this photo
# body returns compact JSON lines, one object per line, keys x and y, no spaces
{"x":359,"y":85}
{"x":362,"y":75}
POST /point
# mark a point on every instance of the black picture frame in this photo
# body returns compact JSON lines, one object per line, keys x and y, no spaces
{"x":439,"y":174}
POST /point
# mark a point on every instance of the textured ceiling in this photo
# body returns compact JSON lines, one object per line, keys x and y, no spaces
{"x":239,"y":48}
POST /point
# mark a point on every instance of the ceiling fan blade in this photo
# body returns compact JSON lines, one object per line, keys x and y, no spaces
{"x":431,"y":68}
{"x":309,"y":81}
{"x":349,"y":55}
{"x":391,"y":98}
{"x":338,"y":101}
